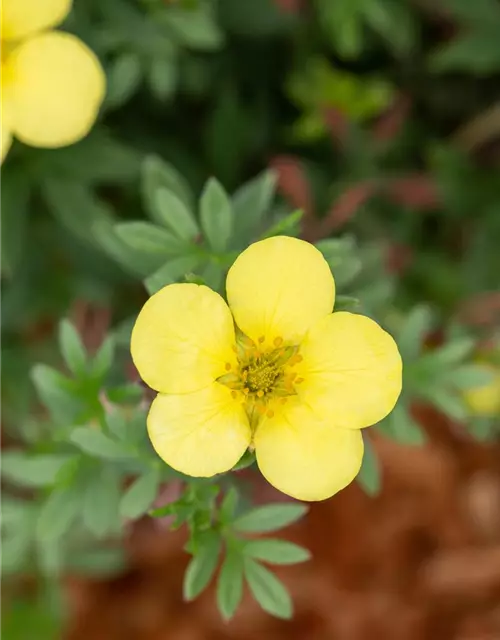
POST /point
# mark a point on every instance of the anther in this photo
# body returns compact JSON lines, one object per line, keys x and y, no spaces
{"x":228,"y":366}
{"x":270,"y":413}
{"x":278,"y":341}
{"x":262,"y":339}
{"x":299,"y":380}
{"x":260,"y":393}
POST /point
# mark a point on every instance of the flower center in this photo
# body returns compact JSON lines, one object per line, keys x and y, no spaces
{"x":262,"y":375}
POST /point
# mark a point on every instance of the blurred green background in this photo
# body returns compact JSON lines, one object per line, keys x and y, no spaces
{"x":370,"y":127}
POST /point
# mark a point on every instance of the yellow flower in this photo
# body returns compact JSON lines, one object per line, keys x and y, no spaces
{"x":273,"y":369}
{"x":484,"y":401}
{"x":52,"y":84}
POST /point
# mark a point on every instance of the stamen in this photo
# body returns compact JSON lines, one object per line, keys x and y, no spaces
{"x":270,"y":413}
{"x":262,"y":339}
{"x":260,"y":393}
{"x":299,"y":380}
{"x":278,"y":341}
{"x":228,"y":366}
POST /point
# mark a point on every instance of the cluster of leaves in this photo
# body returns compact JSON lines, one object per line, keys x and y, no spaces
{"x":173,"y":182}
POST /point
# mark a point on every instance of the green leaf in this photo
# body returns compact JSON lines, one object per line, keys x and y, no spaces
{"x":163,"y":77}
{"x":230,"y":584}
{"x":470,"y":376}
{"x":175,"y":215}
{"x":103,"y":359}
{"x":56,"y":392}
{"x":216,"y":215}
{"x":76,"y":207}
{"x":394,"y":22}
{"x":140,"y":495}
{"x":123,"y":79}
{"x":451,"y":404}
{"x":15,"y":195}
{"x":156,"y":173}
{"x":401,"y":427}
{"x":347,"y":303}
{"x":269,"y":592}
{"x":228,"y":505}
{"x":250,"y":204}
{"x":450,"y":354}
{"x":172,"y":271}
{"x":202,"y":566}
{"x":289,"y":225}
{"x":195,"y":28}
{"x":57,"y":514}
{"x":100,"y":502}
{"x":369,"y":474}
{"x":72,"y":348}
{"x":96,"y":443}
{"x":38,"y":470}
{"x":270,"y":517}
{"x":416,"y":327}
{"x":149,"y":238}
{"x":475,"y":52}
{"x":246,"y":460}
{"x":276,"y":551}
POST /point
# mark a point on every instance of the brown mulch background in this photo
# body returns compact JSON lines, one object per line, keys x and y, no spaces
{"x":421,"y":561}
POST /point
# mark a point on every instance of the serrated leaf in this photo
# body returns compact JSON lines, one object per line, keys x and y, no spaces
{"x":269,"y":592}
{"x":369,"y":474}
{"x":123,"y":79}
{"x":276,"y":551}
{"x":216,"y":215}
{"x":38,"y":470}
{"x":230,"y":584}
{"x":96,"y":443}
{"x":140,"y":495}
{"x":149,"y":238}
{"x":250,"y":204}
{"x":202,"y":566}
{"x":72,"y":348}
{"x":157,"y":174}
{"x":270,"y":517}
{"x":100,"y":502}
{"x":57,"y":514}
{"x":175,"y":215}
{"x":172,"y":271}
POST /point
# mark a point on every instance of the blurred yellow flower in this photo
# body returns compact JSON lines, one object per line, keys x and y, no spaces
{"x":274,"y":369}
{"x":484,"y":401}
{"x":52,"y":84}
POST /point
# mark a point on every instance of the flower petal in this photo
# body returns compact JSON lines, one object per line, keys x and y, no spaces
{"x":279,"y":287}
{"x":352,"y":370}
{"x":6,"y":141}
{"x":183,"y":338}
{"x":56,"y":86}
{"x":23,"y":17}
{"x":201,"y":433}
{"x":304,"y":457}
